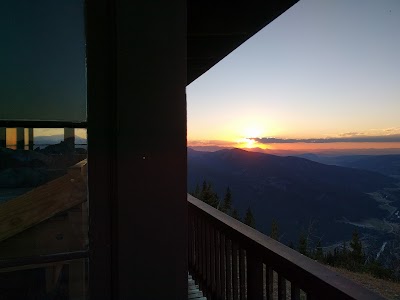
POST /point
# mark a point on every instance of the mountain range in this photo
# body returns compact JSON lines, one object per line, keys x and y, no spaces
{"x":301,"y":195}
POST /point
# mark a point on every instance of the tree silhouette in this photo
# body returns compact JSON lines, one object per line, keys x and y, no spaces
{"x":235,"y":214}
{"x":274,"y":230}
{"x":226,"y":205}
{"x":208,"y":195}
{"x":356,"y":246}
{"x":303,"y":244}
{"x":249,"y":218}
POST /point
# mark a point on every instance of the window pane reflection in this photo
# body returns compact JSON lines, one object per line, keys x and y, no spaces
{"x":42,"y":59}
{"x":43,"y":192}
{"x":62,"y":281}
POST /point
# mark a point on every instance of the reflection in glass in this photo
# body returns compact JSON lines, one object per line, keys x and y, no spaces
{"x":42,"y":59}
{"x":62,"y":280}
{"x":43,"y":193}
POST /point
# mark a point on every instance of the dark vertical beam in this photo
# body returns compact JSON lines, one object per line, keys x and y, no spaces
{"x":203,"y":253}
{"x":294,"y":291}
{"x":223,"y":259}
{"x":281,"y":287}
{"x":235,"y":271}
{"x":151,"y":149}
{"x":269,"y":282}
{"x":102,"y":133}
{"x":69,"y":137}
{"x":255,"y":276}
{"x":20,"y":138}
{"x":208,"y":259}
{"x":31,"y":142}
{"x":242,"y":273}
{"x":190,"y":240}
{"x":228,"y":253}
{"x":218,"y":264}
{"x":3,"y":137}
{"x":213,"y":260}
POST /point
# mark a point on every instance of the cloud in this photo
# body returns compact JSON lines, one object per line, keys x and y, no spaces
{"x":351,"y":134}
{"x":193,"y":143}
{"x":341,"y":139}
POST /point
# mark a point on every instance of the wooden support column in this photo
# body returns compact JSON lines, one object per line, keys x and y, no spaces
{"x":151,"y":201}
{"x":20,"y":138}
{"x":69,"y":137}
{"x":30,"y":141}
{"x":2,"y":137}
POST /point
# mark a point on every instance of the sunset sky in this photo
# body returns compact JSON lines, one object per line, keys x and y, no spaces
{"x":325,"y":74}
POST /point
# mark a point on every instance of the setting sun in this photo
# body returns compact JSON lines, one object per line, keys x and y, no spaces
{"x":253,"y":132}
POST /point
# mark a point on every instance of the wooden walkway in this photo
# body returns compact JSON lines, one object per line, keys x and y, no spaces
{"x":193,"y":290}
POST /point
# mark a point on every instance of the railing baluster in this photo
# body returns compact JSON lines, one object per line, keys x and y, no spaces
{"x":222,"y":266}
{"x":281,"y":287}
{"x":197,"y":247}
{"x":190,"y":241}
{"x":229,"y":258}
{"x":203,"y":254}
{"x":269,"y":282}
{"x":225,"y":273}
{"x":212,"y":260}
{"x":294,"y":291}
{"x":218,"y":263}
{"x":235,"y":273}
{"x":255,"y":276}
{"x":208,"y":259}
{"x":242,"y":273}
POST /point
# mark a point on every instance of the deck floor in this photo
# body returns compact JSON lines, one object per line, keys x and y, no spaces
{"x":193,"y":290}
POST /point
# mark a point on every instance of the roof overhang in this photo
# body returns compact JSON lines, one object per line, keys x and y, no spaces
{"x":215,"y":28}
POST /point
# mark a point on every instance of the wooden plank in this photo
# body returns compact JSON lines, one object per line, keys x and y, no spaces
{"x":294,"y":291}
{"x":228,"y":254}
{"x":223,"y":271}
{"x":43,"y":202}
{"x":235,"y":271}
{"x":255,"y":276}
{"x":242,"y":273}
{"x":212,"y":261}
{"x":218,"y":263}
{"x":281,"y":287}
{"x":313,"y":277}
{"x":269,"y":281}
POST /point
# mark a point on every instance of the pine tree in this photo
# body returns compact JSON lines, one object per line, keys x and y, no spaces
{"x":249,"y":218}
{"x":235,"y":214}
{"x":196,"y":192}
{"x":319,"y":254}
{"x":226,"y":205}
{"x":208,"y":195}
{"x":303,"y":245}
{"x":274,"y":230}
{"x":356,"y":246}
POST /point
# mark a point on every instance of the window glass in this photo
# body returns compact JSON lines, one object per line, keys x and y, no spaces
{"x":43,"y":192}
{"x":42,"y":59}
{"x":62,"y":280}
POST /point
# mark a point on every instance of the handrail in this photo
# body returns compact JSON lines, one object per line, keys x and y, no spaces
{"x":230,"y":259}
{"x":43,"y":202}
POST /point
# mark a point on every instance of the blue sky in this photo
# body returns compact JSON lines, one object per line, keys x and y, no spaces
{"x":322,"y":69}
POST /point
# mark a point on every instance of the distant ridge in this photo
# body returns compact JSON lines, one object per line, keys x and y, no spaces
{"x":292,"y":190}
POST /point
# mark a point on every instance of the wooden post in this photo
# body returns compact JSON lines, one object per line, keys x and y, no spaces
{"x":281,"y":287}
{"x":235,"y":271}
{"x":69,"y":137}
{"x":2,"y":137}
{"x":30,"y":141}
{"x":77,"y":281}
{"x":255,"y":276}
{"x":20,"y":138}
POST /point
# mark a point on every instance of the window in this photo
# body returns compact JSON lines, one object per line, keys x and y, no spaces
{"x":43,"y":150}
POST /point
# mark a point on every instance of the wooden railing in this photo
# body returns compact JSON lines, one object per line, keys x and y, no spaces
{"x":230,"y":260}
